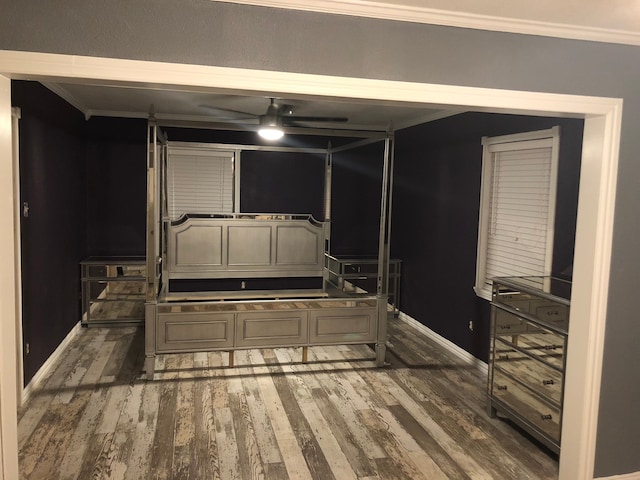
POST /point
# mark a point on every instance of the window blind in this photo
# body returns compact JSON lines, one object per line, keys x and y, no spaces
{"x":518,"y":213}
{"x":199,"y":181}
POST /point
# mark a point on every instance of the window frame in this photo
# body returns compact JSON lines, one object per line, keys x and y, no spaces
{"x":513,"y":142}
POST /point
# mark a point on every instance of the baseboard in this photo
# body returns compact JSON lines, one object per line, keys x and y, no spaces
{"x":626,"y":476}
{"x":46,"y":366}
{"x":446,"y":344}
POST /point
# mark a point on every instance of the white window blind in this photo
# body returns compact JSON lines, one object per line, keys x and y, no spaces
{"x":199,"y":181}
{"x":517,"y":207}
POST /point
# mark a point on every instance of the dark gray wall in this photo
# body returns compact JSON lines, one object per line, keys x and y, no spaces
{"x":52,"y":178}
{"x":438,"y":169}
{"x":116,"y":186}
{"x":214,"y":33}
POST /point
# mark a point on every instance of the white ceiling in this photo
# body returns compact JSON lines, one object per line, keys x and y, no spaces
{"x":128,"y":102}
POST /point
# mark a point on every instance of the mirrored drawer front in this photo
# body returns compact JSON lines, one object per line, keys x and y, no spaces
{"x":517,"y":300}
{"x":124,"y":290}
{"x":541,"y":378}
{"x":550,"y":312}
{"x":535,"y":340}
{"x":508,"y":324}
{"x":531,"y":409}
{"x":361,"y":268}
{"x":546,"y":311}
{"x":116,"y":271}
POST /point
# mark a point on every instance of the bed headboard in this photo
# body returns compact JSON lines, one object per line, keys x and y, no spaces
{"x":245,"y":246}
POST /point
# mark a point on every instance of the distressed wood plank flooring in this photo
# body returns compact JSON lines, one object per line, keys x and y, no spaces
{"x":270,"y":417}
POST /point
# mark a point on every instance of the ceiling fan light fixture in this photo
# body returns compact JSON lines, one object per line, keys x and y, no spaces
{"x":271,"y":125}
{"x":270,"y":133}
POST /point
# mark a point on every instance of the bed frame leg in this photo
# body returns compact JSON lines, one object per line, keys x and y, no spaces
{"x":305,"y":351}
{"x":381,"y":350}
{"x":150,"y":366}
{"x":231,"y":359}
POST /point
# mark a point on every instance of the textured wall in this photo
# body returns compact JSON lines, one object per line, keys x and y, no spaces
{"x":214,"y":33}
{"x":435,"y":219}
{"x":52,"y":236}
{"x":116,"y":186}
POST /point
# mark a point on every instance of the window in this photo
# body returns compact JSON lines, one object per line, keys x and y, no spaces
{"x":200,"y":180}
{"x":517,"y":206}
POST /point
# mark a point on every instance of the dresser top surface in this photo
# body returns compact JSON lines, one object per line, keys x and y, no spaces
{"x":115,"y":260}
{"x":539,"y":285}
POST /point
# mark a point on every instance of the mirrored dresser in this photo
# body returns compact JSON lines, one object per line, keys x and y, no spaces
{"x":529,"y":332}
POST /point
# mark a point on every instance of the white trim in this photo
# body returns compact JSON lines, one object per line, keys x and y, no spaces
{"x":595,"y":209}
{"x":198,"y":77}
{"x":596,"y":205}
{"x":15,"y":130}
{"x":448,"y":345}
{"x":626,"y":476}
{"x":65,"y":95}
{"x":8,"y":295}
{"x":44,"y":370}
{"x":449,"y":18}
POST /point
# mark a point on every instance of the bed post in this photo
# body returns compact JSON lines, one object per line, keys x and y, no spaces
{"x":149,"y":339}
{"x":383,"y":248}
{"x":328,"y":166}
{"x":152,"y":246}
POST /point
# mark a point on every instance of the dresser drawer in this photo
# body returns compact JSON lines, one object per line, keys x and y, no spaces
{"x":551,"y":313}
{"x":541,"y":378}
{"x":529,"y":408}
{"x":543,"y":344}
{"x":508,"y":324}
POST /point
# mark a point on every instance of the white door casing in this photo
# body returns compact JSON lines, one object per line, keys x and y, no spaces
{"x":594,"y":224}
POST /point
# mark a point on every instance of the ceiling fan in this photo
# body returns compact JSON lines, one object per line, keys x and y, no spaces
{"x":277,"y":116}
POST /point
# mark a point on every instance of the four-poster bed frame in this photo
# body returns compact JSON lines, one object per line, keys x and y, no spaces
{"x":245,"y":246}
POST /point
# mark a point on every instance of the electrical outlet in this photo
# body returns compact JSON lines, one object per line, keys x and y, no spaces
{"x":471,"y":325}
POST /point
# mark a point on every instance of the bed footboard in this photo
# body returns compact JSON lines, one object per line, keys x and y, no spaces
{"x":228,"y":326}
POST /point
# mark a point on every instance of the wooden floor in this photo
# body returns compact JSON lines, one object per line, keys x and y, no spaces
{"x":270,"y":416}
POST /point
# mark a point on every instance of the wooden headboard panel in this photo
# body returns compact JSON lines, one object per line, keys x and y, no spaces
{"x":245,"y":245}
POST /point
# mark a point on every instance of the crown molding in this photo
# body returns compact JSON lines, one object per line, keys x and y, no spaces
{"x":65,"y":95}
{"x":406,"y":13}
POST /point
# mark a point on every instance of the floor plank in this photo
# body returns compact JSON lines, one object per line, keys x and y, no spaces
{"x":270,"y":416}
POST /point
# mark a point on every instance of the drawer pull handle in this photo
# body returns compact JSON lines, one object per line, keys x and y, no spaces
{"x":503,"y":357}
{"x":548,"y":382}
{"x":550,"y":347}
{"x":552,"y":312}
{"x":546,"y":417}
{"x":501,"y":387}
{"x":505,"y":327}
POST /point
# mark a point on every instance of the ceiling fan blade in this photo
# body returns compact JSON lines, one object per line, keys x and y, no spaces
{"x":226,"y":111}
{"x":296,"y":118}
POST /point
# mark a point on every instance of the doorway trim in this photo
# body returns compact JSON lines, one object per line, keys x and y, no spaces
{"x":595,"y":207}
